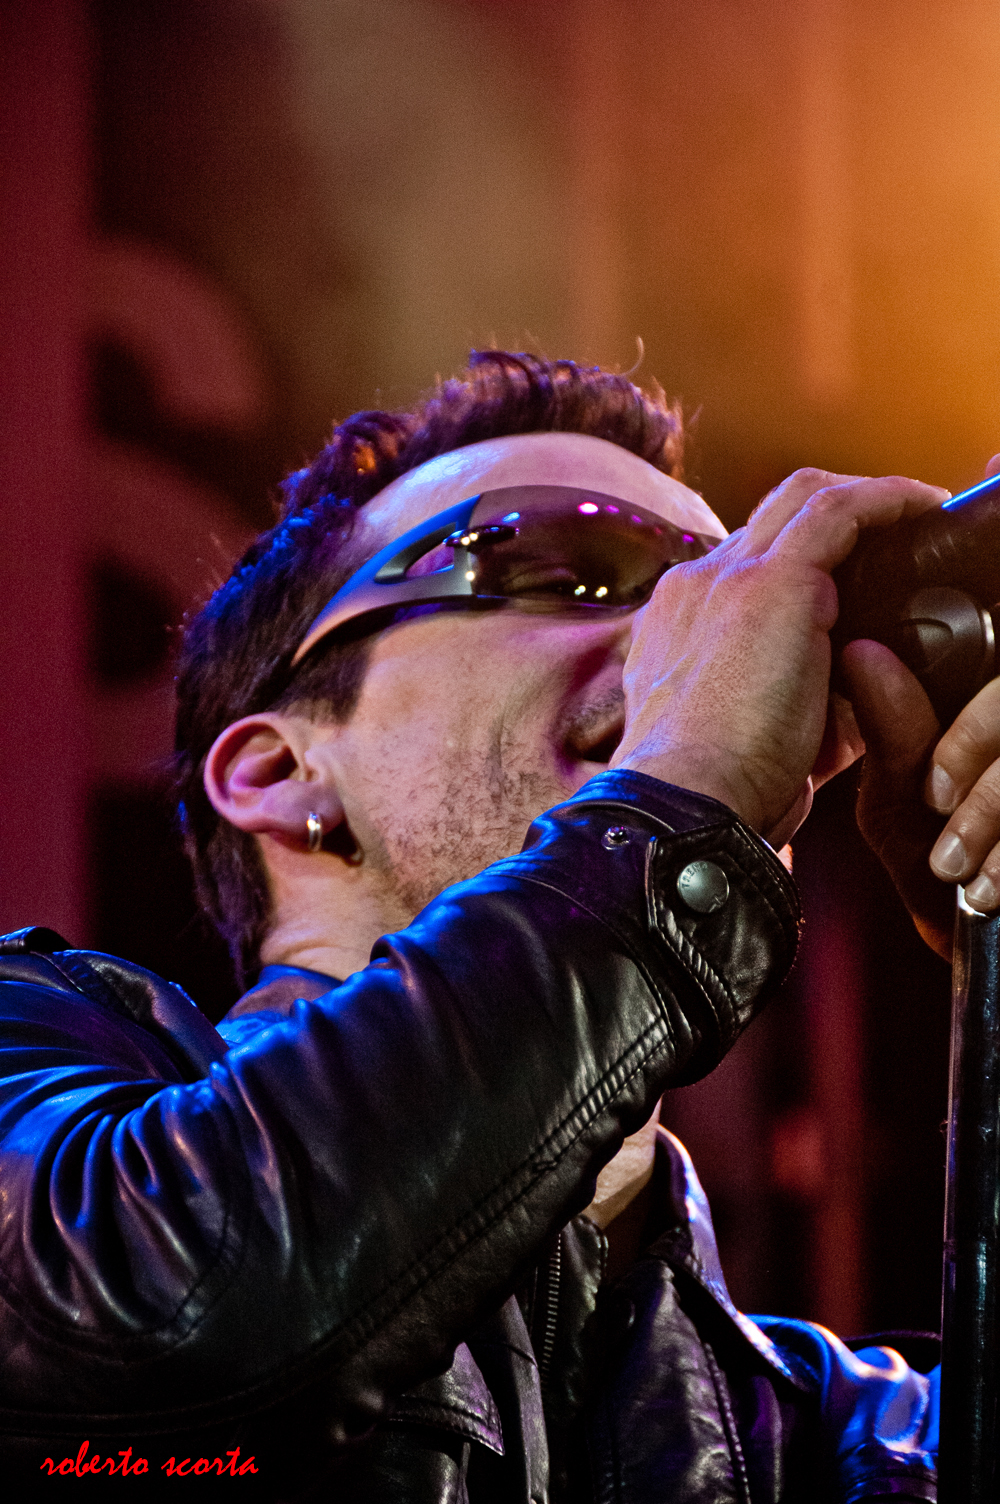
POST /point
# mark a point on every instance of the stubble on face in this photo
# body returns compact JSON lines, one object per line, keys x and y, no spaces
{"x":437,"y":796}
{"x":478,"y":820}
{"x":471,"y":803}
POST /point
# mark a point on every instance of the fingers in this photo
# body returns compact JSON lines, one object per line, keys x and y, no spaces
{"x":781,"y":505}
{"x":826,"y":527}
{"x":818,"y":507}
{"x":966,"y":852}
{"x":965,"y":751}
{"x":899,"y":726}
{"x":893,"y":713}
{"x":964,"y":782}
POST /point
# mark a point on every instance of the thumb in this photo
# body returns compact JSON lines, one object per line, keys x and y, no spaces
{"x":892,"y":710}
{"x":900,"y":728}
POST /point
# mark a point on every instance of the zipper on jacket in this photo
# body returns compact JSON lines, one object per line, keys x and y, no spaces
{"x":553,"y":1278}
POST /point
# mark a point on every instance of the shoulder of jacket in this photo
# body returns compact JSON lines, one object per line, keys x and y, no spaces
{"x":39,"y":957}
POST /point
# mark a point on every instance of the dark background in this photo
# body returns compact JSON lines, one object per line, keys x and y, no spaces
{"x":227,"y":225}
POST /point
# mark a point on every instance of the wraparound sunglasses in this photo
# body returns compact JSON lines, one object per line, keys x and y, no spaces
{"x":544,"y":546}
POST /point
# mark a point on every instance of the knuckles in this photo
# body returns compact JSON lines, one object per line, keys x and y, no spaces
{"x":982,"y":803}
{"x":741,"y":582}
{"x":810,"y":476}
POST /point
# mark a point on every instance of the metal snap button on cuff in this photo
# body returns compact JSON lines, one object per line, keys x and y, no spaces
{"x":614,"y":837}
{"x":703,"y":886}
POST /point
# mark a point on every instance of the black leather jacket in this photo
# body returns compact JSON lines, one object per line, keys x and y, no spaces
{"x":210,"y":1244}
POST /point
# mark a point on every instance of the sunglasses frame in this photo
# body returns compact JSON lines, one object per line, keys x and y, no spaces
{"x":383,"y":584}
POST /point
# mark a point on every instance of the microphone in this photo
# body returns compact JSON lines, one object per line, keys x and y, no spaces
{"x":929,"y":588}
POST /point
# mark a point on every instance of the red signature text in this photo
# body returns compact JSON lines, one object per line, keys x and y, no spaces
{"x":204,"y":1466}
{"x":80,"y":1468}
{"x":124,"y":1467}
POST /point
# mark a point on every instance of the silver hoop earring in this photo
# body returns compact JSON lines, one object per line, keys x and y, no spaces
{"x":314,"y":830}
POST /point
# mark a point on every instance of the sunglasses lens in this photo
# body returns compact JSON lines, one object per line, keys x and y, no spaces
{"x":591,"y":555}
{"x":554,"y":546}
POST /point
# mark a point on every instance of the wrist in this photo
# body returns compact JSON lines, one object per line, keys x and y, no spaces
{"x":699,"y":771}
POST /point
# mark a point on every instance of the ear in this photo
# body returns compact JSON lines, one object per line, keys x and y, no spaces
{"x":265,"y":774}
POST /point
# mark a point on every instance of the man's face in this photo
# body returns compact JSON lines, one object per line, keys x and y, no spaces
{"x":471,"y":723}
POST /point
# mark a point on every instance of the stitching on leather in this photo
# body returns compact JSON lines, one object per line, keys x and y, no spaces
{"x":761,"y":880}
{"x":776,"y":879}
{"x":664,"y":935}
{"x":455,"y":1419}
{"x":608,"y":923}
{"x":728,"y":1425}
{"x":461,"y":1236}
{"x":595,"y":1101}
{"x":427,"y":1269}
{"x":684,"y":948}
{"x":626,"y":941}
{"x":753,"y":875}
{"x":84,"y":979}
{"x":678,"y":1261}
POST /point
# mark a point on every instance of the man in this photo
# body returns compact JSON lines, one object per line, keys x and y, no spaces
{"x":336,"y":1234}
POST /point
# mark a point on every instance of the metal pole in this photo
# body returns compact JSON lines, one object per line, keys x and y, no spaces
{"x":968,"y":1463}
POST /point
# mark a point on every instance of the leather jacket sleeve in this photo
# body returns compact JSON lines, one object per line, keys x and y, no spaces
{"x":338,"y":1201}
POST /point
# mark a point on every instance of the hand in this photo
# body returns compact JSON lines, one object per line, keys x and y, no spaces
{"x":900,"y":731}
{"x":902,"y":800}
{"x":964,"y":782}
{"x":913,"y":776}
{"x":727,"y":681}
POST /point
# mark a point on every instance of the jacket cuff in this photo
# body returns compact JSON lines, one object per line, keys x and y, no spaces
{"x":676,"y":808}
{"x":718,"y":901}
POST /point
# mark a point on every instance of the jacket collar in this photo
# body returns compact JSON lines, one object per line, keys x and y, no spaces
{"x":278,"y":988}
{"x":689,"y":1244}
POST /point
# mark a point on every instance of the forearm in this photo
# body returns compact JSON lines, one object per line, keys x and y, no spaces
{"x":349,"y":1193}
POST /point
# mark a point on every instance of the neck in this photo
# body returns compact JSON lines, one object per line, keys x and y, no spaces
{"x":327,"y":915}
{"x":621,"y":1202}
{"x":626,"y":1175}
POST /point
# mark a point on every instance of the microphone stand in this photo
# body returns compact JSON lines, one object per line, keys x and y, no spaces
{"x":968,"y":1463}
{"x":928,"y":587}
